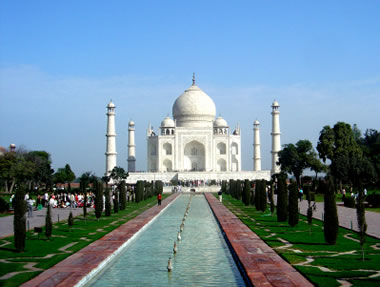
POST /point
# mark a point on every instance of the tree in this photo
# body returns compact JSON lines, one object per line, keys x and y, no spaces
{"x":282,"y":200}
{"x":331,"y":222}
{"x":116,"y":201}
{"x":43,"y":173}
{"x":108,"y":203}
{"x":84,"y":182}
{"x":257,"y":194}
{"x":370,"y":145}
{"x":15,"y":169}
{"x":271,"y":197}
{"x":293,"y":204}
{"x":19,"y":220}
{"x":70,"y":220}
{"x":98,"y":199}
{"x":296,"y":158}
{"x":70,"y":176}
{"x":48,"y":223}
{"x":247,"y":192}
{"x":139,"y":190}
{"x":317,"y":166}
{"x":263,"y":195}
{"x":123,"y":196}
{"x":360,"y":212}
{"x":339,"y":146}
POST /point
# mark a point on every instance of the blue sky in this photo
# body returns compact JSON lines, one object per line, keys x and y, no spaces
{"x":62,"y":61}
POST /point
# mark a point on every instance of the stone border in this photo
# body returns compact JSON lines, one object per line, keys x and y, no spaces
{"x":262,"y":265}
{"x":82,"y":266}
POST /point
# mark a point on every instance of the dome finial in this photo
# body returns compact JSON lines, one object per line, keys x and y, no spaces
{"x":193,"y":79}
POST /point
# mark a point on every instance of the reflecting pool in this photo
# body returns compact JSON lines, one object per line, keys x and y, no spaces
{"x":203,"y":257}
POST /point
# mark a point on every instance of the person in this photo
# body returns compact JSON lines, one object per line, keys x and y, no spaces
{"x":159,"y":198}
{"x":301,"y":194}
{"x":220,"y":195}
{"x":30,"y":203}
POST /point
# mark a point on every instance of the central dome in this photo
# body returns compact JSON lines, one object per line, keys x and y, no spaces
{"x":194,"y":108}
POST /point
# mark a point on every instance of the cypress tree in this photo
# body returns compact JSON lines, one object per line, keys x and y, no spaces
{"x":271,"y":198}
{"x":360,"y":213}
{"x":331,"y":223}
{"x":282,"y":200}
{"x":123,"y":196}
{"x":247,"y":192}
{"x":139,"y":191}
{"x":19,"y":220}
{"x":293,"y":204}
{"x":263,"y":195}
{"x":257,"y":194}
{"x":98,"y":199}
{"x":252,"y":197}
{"x":224,"y":187}
{"x":83,"y":189}
{"x":70,"y":220}
{"x":48,"y":223}
{"x":238,"y":189}
{"x":116,"y":202}
{"x":108,"y":203}
{"x":230,"y":192}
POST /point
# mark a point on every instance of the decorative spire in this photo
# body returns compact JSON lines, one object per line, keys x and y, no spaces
{"x":193,"y":79}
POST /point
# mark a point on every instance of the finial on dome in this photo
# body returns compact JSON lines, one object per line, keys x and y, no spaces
{"x":193,"y":79}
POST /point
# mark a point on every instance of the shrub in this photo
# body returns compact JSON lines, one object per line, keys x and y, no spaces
{"x":139,"y":190}
{"x":349,"y":201}
{"x":331,"y":222}
{"x":4,"y":205}
{"x":19,"y":220}
{"x":293,"y":204}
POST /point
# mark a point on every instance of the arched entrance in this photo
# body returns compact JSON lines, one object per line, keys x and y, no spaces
{"x":194,"y":156}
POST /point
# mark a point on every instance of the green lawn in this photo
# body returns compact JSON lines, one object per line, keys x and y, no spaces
{"x":343,"y":260}
{"x":82,"y":233}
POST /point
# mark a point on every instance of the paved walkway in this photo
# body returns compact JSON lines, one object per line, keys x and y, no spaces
{"x":73,"y":269}
{"x":38,"y":219}
{"x":347,"y":216}
{"x":263,"y":266}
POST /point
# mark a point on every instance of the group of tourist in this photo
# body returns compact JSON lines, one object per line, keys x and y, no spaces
{"x":58,"y":200}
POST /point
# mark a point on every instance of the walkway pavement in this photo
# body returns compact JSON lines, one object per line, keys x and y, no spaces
{"x":38,"y":219}
{"x":263,"y":266}
{"x":347,"y":217}
{"x":73,"y":269}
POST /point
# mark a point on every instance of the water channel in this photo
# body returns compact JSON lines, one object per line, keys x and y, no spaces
{"x":203,"y":257}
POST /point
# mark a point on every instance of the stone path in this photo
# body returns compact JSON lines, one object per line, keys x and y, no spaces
{"x":73,"y":269}
{"x":347,"y":216}
{"x":38,"y":219}
{"x":263,"y":266}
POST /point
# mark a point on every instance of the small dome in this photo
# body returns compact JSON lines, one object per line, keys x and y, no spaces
{"x":167,"y":123}
{"x":256,"y":122}
{"x":111,"y":105}
{"x":194,"y":108}
{"x":220,"y":123}
{"x":131,"y":123}
{"x":275,"y":104}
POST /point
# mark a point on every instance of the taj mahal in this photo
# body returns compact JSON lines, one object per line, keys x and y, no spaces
{"x":194,"y":144}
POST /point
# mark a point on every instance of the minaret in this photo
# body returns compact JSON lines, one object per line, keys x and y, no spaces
{"x":256,"y":147}
{"x":111,"y":139}
{"x":276,"y":144}
{"x":131,"y":147}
